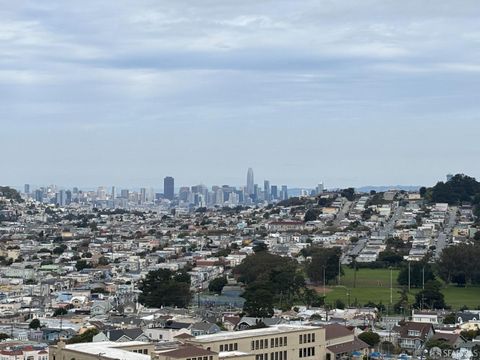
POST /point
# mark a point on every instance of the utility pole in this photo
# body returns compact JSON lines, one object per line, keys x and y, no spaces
{"x":391,"y":286}
{"x":423,"y":277}
{"x":339,"y":269}
{"x":324,"y":282}
{"x":408,"y":276}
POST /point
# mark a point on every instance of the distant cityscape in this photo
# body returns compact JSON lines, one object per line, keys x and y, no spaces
{"x":186,"y":196}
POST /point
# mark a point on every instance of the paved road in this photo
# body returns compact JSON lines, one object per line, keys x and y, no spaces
{"x":389,"y":226}
{"x":444,"y":235}
{"x":342,"y":213}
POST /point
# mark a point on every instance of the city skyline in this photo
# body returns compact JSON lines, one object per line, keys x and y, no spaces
{"x":354,"y":93}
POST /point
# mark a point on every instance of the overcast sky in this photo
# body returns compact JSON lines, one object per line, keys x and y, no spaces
{"x":352,"y":92}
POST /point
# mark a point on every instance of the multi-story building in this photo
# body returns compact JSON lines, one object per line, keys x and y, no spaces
{"x":104,"y":350}
{"x":280,"y":342}
{"x":169,"y":187}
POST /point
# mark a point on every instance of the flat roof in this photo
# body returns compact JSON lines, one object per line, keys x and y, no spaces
{"x":110,"y":349}
{"x":272,"y":330}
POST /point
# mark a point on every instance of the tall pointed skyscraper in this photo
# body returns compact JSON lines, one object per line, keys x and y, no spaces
{"x":250,"y":181}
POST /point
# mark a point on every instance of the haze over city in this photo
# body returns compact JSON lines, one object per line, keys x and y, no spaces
{"x":352,"y":93}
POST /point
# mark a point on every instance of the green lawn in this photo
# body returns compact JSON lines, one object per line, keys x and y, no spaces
{"x":374,"y":285}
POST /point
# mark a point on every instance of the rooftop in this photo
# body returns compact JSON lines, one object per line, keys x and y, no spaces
{"x":112,"y":350}
{"x":272,"y":330}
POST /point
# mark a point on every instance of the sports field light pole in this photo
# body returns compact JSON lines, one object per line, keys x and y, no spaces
{"x":391,"y":286}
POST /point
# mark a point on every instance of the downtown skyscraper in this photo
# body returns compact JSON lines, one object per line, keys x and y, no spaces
{"x":250,"y":182}
{"x":169,"y":187}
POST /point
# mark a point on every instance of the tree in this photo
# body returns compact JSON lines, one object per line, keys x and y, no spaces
{"x":339,"y":304}
{"x":34,"y":324}
{"x":258,"y":300}
{"x":311,"y":298}
{"x":349,"y":194}
{"x":216,"y":285}
{"x":59,"y":249}
{"x":459,"y":264}
{"x":369,"y":337}
{"x":281,"y":274}
{"x":431,"y":297}
{"x":420,"y":272}
{"x":323,"y":259}
{"x":4,"y":336}
{"x":387,"y":347}
{"x":86,"y":336}
{"x":450,"y":319}
{"x":103,"y":261}
{"x":82,"y":264}
{"x":165,"y":288}
{"x":390,"y":258}
{"x":60,"y":312}
{"x":440,"y":343}
{"x":259,"y":247}
{"x":311,"y":215}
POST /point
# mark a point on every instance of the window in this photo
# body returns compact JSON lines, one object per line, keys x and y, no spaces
{"x":256,"y":344}
{"x":313,"y":351}
{"x":276,"y":355}
{"x":285,"y":355}
{"x":313,"y":337}
{"x":230,"y":347}
{"x":280,"y":355}
{"x":235,"y":346}
{"x":253,"y":345}
{"x":271,"y":342}
{"x":261,"y":344}
{"x":304,"y":352}
{"x":281,"y":341}
{"x":309,"y":339}
{"x":265,"y":343}
{"x":221,"y":348}
{"x":300,"y":353}
{"x":145,"y":351}
{"x":300,"y":338}
{"x":276,"y":342}
{"x":284,"y":341}
{"x":304,"y":338}
{"x":271,"y":356}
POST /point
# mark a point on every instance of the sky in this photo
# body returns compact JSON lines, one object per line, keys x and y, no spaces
{"x":352,"y":93}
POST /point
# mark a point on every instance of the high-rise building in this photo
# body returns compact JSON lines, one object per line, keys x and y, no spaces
{"x":61,"y":198}
{"x":183,"y":193}
{"x":113,"y":193}
{"x":274,"y":192}
{"x":143,"y":195}
{"x":39,"y":195}
{"x":284,"y":192}
{"x":169,"y":187}
{"x":250,"y":182}
{"x":27,"y":189}
{"x":266,"y":190}
{"x":125,"y":194}
{"x":320,"y":188}
{"x":68,"y":197}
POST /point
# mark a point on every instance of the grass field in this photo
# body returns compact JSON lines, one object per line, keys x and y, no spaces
{"x":374,"y":285}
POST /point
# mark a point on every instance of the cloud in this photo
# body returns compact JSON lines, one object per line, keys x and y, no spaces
{"x":199,"y":75}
